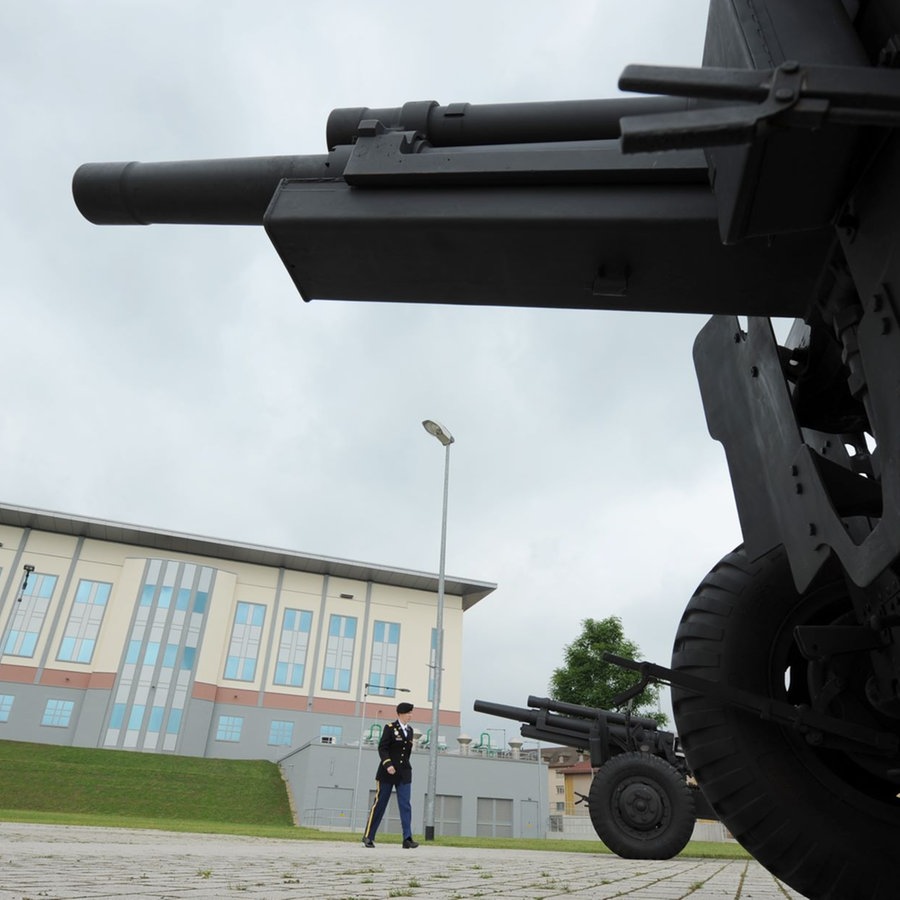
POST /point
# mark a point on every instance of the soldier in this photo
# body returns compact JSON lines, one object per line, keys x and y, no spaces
{"x":394,"y":770}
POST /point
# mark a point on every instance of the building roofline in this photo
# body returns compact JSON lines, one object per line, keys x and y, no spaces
{"x":177,"y":542}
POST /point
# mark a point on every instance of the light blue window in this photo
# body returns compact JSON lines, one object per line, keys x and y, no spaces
{"x":339,"y":653}
{"x":136,"y":719}
{"x":118,"y":715}
{"x":28,"y":617}
{"x":229,"y":728}
{"x":170,"y":655}
{"x":174,"y":722}
{"x":156,"y":716}
{"x":290,"y":666}
{"x":383,"y":665}
{"x":6,"y":705}
{"x":246,"y":637}
{"x":58,"y":713}
{"x":281,"y":733}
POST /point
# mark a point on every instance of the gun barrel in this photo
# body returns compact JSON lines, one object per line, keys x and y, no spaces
{"x":467,"y":124}
{"x":590,"y":712}
{"x":516,"y":713}
{"x":203,"y":191}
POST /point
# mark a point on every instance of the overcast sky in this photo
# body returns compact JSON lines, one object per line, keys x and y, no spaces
{"x":171,"y":377}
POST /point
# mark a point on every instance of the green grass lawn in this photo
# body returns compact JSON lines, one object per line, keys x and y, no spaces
{"x":51,"y":785}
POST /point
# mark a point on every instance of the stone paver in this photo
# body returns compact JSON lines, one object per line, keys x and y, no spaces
{"x":67,"y":862}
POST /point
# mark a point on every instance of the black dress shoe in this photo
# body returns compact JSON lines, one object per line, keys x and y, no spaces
{"x":409,"y":844}
{"x":368,"y":842}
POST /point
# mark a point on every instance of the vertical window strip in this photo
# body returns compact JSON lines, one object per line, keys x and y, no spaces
{"x":159,"y":648}
{"x":290,"y":666}
{"x":383,"y":664}
{"x":6,"y":705}
{"x":29,"y":614}
{"x":339,"y":653}
{"x":83,"y":628}
{"x":246,"y":638}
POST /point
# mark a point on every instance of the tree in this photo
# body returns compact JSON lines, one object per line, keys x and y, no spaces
{"x":588,"y":680}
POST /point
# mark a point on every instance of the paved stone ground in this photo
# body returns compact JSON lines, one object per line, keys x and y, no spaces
{"x":55,"y":862}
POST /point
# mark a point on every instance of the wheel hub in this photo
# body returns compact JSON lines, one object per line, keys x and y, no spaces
{"x":640,"y":805}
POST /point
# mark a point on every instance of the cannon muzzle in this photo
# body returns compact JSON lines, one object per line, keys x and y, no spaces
{"x":202,"y":191}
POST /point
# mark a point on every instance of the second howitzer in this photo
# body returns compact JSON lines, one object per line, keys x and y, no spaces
{"x":641,"y":803}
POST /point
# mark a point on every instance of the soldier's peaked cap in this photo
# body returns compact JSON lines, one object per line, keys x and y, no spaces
{"x":404,"y":708}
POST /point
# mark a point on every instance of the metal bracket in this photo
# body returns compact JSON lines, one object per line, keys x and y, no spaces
{"x":791,"y":96}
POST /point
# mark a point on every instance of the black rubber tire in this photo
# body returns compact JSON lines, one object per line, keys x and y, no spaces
{"x":641,"y":807}
{"x":820,"y":820}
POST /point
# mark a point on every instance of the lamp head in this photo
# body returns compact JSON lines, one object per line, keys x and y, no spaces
{"x":438,"y":430}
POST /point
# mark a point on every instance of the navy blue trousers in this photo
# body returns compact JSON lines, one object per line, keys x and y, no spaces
{"x":382,"y":796}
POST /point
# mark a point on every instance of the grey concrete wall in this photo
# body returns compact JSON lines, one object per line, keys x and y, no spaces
{"x":316,"y":772}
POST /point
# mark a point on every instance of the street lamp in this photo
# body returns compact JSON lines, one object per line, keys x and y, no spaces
{"x":362,"y":728}
{"x":444,"y":436}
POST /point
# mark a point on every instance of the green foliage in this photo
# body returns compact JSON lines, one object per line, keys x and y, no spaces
{"x":588,"y":680}
{"x":141,"y":785}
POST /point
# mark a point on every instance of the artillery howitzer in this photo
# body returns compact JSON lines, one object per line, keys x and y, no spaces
{"x":640,"y":802}
{"x":764,"y":184}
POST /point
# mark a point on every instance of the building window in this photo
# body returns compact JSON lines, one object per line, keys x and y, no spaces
{"x":30,"y":612}
{"x":290,"y":667}
{"x":6,"y":704}
{"x":229,"y":728}
{"x":383,"y":665}
{"x":560,"y":789}
{"x":83,"y":627}
{"x":339,"y":653}
{"x":331,"y":734}
{"x":246,"y":634}
{"x":281,"y":734}
{"x":159,"y":657}
{"x":58,"y":713}
{"x":494,"y":817}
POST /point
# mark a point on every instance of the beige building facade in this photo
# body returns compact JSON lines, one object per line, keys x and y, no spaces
{"x":133,"y":638}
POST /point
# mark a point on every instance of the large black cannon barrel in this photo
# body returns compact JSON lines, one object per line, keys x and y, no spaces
{"x":567,"y":715}
{"x":201,"y":191}
{"x":535,"y":717}
{"x":590,"y":712}
{"x":467,"y":124}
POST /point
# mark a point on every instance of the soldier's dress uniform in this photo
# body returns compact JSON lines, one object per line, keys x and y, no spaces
{"x":394,"y":749}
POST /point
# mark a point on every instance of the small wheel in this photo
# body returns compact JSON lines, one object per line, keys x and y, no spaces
{"x":824,"y":817}
{"x":641,"y":807}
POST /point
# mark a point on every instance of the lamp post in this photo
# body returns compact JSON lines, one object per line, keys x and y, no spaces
{"x":362,"y":728}
{"x":444,"y":436}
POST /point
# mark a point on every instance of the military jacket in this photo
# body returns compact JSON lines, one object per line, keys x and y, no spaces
{"x":395,"y":749}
